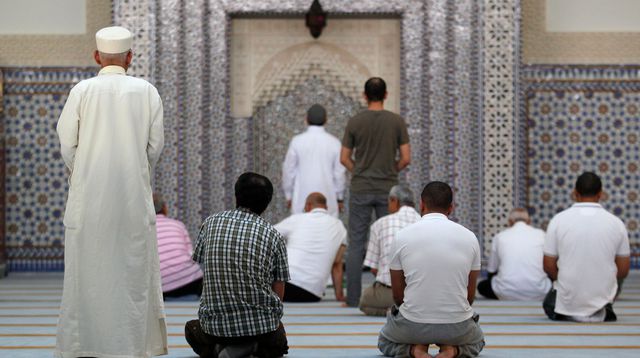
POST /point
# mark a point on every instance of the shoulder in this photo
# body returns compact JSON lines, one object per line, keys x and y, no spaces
{"x":383,"y":221}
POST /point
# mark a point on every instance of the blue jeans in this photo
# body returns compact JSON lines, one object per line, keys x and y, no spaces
{"x":361,"y":208}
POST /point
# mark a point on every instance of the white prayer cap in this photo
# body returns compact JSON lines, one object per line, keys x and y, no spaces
{"x":114,"y":39}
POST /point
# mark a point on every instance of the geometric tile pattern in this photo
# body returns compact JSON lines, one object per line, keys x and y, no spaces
{"x":36,"y":178}
{"x":500,"y":61}
{"x":590,"y":122}
{"x":3,"y":255}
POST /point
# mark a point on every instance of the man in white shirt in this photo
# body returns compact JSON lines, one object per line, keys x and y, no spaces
{"x":316,"y":242}
{"x":312,"y":164}
{"x":434,"y":268}
{"x":377,"y":299}
{"x":585,"y":251}
{"x":515,"y":265}
{"x":111,"y":136}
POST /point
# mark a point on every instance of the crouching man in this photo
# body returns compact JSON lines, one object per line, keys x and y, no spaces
{"x":245,"y":267}
{"x":434,"y":268}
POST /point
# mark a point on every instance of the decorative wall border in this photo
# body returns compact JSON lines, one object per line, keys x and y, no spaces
{"x":3,"y":255}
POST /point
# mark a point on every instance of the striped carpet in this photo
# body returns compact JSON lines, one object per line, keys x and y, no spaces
{"x":29,"y":309}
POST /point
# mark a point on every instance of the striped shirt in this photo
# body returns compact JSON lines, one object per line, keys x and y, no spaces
{"x":382,"y":234}
{"x":175,"y":249}
{"x":242,"y":255}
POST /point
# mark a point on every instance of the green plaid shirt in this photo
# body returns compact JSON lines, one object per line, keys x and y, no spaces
{"x":241,"y":255}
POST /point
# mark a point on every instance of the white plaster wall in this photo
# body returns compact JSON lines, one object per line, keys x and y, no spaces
{"x":43,"y":17}
{"x":593,"y":15}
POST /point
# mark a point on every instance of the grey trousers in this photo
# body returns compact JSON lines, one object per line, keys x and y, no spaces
{"x":376,"y":300}
{"x":361,"y":206}
{"x":399,"y":334}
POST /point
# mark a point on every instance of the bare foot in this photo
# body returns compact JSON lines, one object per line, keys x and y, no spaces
{"x":344,"y":304}
{"x":420,"y":351}
{"x":447,"y":351}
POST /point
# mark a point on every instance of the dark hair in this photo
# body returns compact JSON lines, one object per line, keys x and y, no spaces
{"x":588,"y":184}
{"x":316,"y":115}
{"x":375,"y":88}
{"x":437,"y":196}
{"x":253,"y":192}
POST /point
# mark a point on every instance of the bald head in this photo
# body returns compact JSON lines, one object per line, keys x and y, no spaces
{"x":315,"y":201}
{"x":519,"y":214}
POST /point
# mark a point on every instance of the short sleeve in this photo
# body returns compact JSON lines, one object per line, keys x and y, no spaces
{"x":551,"y":240}
{"x":348,"y":140}
{"x":396,"y":255}
{"x":198,"y":252}
{"x":403,"y":133}
{"x":477,"y":261}
{"x":624,"y":248}
{"x":280,"y":264}
{"x":494,"y":258}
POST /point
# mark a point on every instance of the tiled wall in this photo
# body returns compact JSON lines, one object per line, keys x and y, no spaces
{"x":580,"y":119}
{"x":36,"y":179}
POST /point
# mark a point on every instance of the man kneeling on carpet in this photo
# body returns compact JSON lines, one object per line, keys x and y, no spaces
{"x":245,"y":267}
{"x":434,"y":268}
{"x":316,"y":241}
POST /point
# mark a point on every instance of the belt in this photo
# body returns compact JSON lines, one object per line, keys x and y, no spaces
{"x":378,"y":283}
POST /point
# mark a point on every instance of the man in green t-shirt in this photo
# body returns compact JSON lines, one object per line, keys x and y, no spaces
{"x":374,"y":136}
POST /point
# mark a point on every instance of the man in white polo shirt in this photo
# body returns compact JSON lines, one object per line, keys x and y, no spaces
{"x":515,"y":265}
{"x":316,"y":242}
{"x":586,"y":250}
{"x":434,"y":268}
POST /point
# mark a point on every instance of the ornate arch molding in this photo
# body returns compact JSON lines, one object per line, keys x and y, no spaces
{"x":293,"y":66}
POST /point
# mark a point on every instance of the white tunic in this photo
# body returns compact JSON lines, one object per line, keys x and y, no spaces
{"x":313,"y":240}
{"x":312,"y":164}
{"x":516,"y":253}
{"x":111,"y":135}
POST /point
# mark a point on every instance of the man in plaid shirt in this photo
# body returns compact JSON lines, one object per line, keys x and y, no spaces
{"x":245,"y":267}
{"x":377,"y":299}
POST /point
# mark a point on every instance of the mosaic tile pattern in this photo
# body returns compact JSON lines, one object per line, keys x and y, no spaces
{"x":582,"y":119}
{"x":498,"y":149}
{"x":3,"y":255}
{"x":36,"y":179}
{"x":138,"y":16}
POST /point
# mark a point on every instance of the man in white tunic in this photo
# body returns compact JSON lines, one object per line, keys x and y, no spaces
{"x":111,"y":135}
{"x":312,"y":164}
{"x":515,"y":265}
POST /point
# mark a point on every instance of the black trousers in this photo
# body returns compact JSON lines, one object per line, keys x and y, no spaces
{"x":193,"y":288}
{"x":293,"y":293}
{"x":268,"y":345}
{"x":485,"y":289}
{"x":549,"y":307}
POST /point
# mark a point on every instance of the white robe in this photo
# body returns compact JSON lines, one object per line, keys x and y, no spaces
{"x":312,"y":164}
{"x":111,"y":135}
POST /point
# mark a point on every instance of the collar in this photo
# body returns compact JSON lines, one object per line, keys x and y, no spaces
{"x":311,"y":128}
{"x":586,"y":205}
{"x":318,"y":210}
{"x":161,"y":215}
{"x":435,"y":216}
{"x":112,"y":70}
{"x":404,"y":208}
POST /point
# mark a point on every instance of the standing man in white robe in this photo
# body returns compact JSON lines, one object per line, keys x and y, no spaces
{"x":111,"y":135}
{"x":312,"y":164}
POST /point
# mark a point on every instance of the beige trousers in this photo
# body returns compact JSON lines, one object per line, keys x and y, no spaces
{"x":376,"y":300}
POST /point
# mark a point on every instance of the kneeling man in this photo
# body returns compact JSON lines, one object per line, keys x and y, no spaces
{"x":316,"y":241}
{"x":245,"y":267}
{"x":434,"y":269}
{"x":585,"y":250}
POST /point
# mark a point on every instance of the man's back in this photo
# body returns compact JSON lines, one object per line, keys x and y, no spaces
{"x":242,"y":255}
{"x":518,"y":260}
{"x":586,"y":239}
{"x":175,"y":250}
{"x":436,"y":256}
{"x":375,"y":136}
{"x":313,"y":165}
{"x":313,"y":240}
